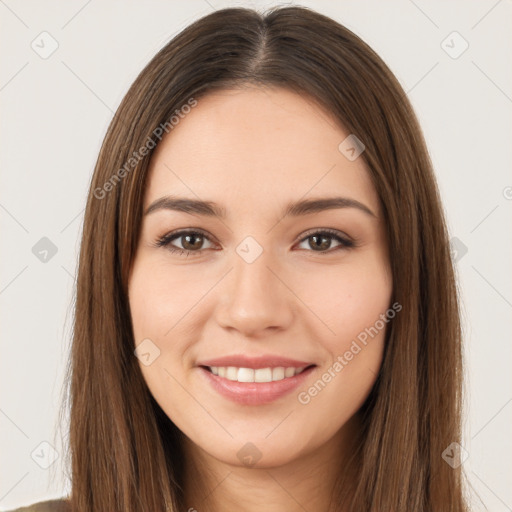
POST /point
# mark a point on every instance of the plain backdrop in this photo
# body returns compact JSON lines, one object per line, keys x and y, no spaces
{"x":55,"y":111}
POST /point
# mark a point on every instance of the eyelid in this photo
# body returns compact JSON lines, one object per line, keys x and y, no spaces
{"x":345,"y":242}
{"x":165,"y":240}
{"x":330,"y":231}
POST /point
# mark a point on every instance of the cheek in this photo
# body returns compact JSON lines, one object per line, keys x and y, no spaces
{"x":166,"y":309}
{"x":354,"y":301}
{"x":160,"y":298}
{"x":342,"y":384}
{"x":347,"y":299}
{"x":158,"y":302}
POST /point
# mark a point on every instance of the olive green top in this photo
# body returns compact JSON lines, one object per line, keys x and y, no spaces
{"x":61,"y":505}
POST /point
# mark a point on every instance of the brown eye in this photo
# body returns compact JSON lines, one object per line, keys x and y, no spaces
{"x":192,"y":242}
{"x":185,"y":242}
{"x":322,"y":241}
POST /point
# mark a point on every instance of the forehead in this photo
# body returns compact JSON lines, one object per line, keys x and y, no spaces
{"x":256,"y":145}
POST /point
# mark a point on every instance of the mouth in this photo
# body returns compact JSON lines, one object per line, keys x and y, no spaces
{"x":268,"y":374}
{"x":255,"y":386}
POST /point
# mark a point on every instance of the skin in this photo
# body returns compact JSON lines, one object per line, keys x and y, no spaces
{"x":252,"y":151}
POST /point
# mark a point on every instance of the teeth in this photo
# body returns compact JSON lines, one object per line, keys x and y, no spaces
{"x":278,"y":373}
{"x":263,"y":375}
{"x":259,"y":375}
{"x":245,"y":375}
{"x":289,"y":372}
{"x":231,"y":373}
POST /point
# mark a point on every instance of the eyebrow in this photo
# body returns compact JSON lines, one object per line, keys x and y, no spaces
{"x":294,"y":209}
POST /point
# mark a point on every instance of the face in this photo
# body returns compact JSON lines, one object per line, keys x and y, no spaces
{"x":259,"y":317}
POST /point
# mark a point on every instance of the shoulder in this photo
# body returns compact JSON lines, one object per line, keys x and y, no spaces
{"x":61,"y":505}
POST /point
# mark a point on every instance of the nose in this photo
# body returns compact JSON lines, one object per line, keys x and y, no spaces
{"x":255,"y":299}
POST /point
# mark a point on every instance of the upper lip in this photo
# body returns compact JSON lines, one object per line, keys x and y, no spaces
{"x":264,"y":361}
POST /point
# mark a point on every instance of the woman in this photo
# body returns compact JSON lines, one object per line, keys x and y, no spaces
{"x":266,"y":311}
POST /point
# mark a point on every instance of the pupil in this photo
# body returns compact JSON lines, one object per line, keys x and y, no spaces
{"x":191,"y":245}
{"x":324,"y":244}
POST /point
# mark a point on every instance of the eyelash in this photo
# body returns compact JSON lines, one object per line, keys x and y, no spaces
{"x":165,"y":241}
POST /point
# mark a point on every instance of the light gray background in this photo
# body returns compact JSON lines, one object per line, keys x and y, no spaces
{"x":55,"y":112}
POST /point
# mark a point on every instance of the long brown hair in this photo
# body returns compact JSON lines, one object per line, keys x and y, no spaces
{"x":125,"y":453}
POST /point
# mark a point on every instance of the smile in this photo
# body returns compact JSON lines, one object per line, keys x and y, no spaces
{"x":254,"y":386}
{"x":255,"y":375}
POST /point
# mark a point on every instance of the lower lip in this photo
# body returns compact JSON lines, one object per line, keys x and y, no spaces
{"x":255,"y":393}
